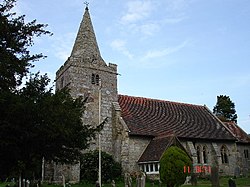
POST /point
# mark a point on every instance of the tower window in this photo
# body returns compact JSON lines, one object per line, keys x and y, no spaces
{"x":95,"y":79}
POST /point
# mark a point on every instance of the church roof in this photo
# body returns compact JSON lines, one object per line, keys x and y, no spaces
{"x":145,"y":116}
{"x":85,"y":45}
{"x":155,"y":149}
{"x":238,"y":132}
{"x":157,"y":146}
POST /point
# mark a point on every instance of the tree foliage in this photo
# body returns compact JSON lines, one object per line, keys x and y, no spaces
{"x":225,"y":109}
{"x":172,"y":163}
{"x":89,"y":167}
{"x":15,"y":38}
{"x":35,"y":123}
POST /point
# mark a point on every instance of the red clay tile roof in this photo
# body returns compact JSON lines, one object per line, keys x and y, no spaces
{"x":154,"y":117}
{"x":238,"y":132}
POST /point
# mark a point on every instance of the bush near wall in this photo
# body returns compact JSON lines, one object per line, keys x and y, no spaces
{"x":111,"y":170}
{"x":172,"y":163}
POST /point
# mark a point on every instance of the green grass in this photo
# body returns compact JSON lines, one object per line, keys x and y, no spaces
{"x":240,"y":182}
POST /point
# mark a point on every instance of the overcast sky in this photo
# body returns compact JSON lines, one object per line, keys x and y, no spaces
{"x":187,"y":51}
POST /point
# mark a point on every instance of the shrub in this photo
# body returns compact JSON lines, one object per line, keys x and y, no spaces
{"x":89,"y":167}
{"x":171,"y":166}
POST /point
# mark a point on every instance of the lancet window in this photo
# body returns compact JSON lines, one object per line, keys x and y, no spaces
{"x":224,"y":154}
{"x":95,"y":79}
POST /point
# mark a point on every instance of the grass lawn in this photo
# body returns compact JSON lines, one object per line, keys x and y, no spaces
{"x":240,"y":182}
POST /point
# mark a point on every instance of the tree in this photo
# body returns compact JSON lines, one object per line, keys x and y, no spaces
{"x":225,"y":109}
{"x":15,"y":38}
{"x":89,"y":167}
{"x":34,"y":122}
{"x":172,"y":163}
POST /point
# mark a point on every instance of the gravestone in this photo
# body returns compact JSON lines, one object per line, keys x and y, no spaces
{"x":138,"y":181}
{"x":23,"y":184}
{"x":112,"y":183}
{"x":63,"y":181}
{"x":27,"y":183}
{"x":97,"y":184}
{"x":126,"y":175}
{"x":231,"y":183}
{"x":143,"y":180}
{"x":188,"y":180}
{"x":237,"y":171}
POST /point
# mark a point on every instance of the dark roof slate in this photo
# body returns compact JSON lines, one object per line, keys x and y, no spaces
{"x":157,"y":146}
{"x":155,"y":149}
{"x":146,"y":116}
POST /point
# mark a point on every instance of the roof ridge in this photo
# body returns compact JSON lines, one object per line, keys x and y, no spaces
{"x":162,"y":100}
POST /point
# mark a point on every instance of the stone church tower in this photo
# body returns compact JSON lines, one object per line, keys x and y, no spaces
{"x":87,"y":75}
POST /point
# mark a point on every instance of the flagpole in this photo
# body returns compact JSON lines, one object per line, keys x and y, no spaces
{"x":99,"y":137}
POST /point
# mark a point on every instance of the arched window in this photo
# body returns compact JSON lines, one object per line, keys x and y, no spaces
{"x":204,"y":154}
{"x":198,"y":154}
{"x":246,"y":153}
{"x":224,"y":154}
{"x":95,"y":79}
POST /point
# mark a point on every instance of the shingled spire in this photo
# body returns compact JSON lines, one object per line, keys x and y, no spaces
{"x":85,"y":46}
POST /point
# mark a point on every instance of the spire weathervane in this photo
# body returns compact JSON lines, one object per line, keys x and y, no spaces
{"x":87,"y":4}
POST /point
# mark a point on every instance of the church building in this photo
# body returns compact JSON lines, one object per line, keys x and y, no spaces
{"x":140,"y":129}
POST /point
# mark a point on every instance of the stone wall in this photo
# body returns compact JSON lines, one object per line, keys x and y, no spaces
{"x":137,"y":145}
{"x":227,"y":168}
{"x":234,"y":153}
{"x":243,"y":160}
{"x":77,"y":74}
